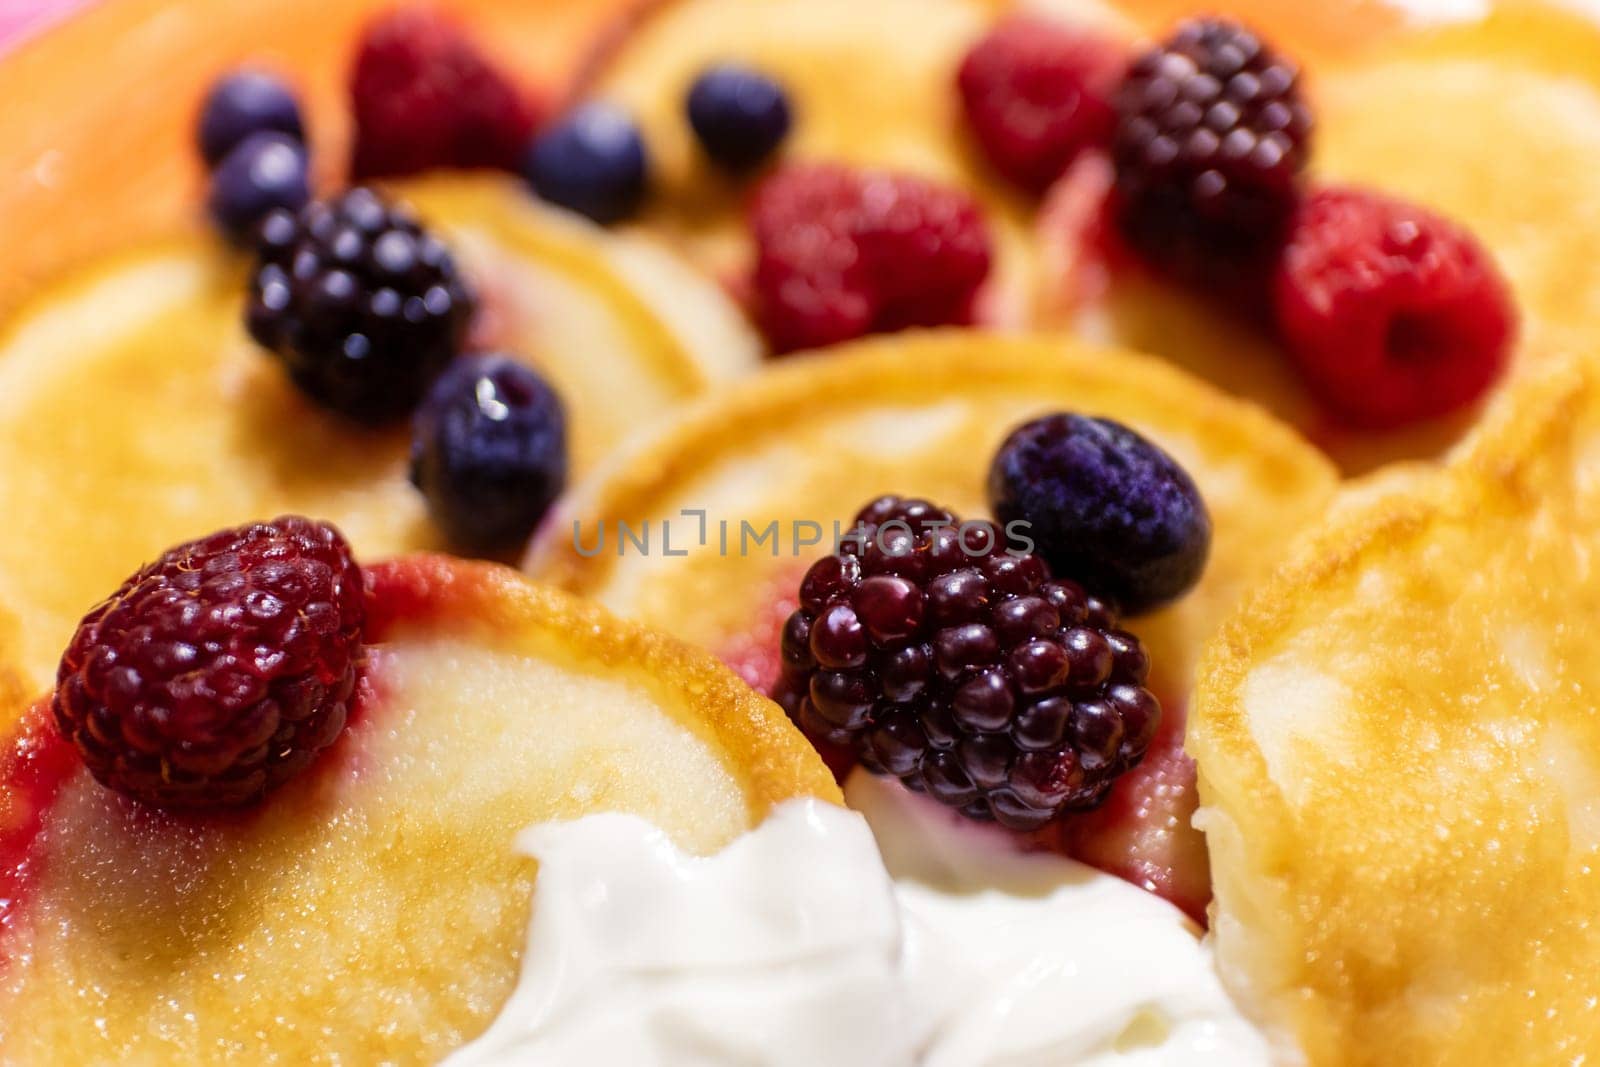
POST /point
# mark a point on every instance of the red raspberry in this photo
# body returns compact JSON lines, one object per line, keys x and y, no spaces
{"x":842,"y":253}
{"x":425,"y":97}
{"x":217,"y":672}
{"x":1392,"y":313}
{"x":1036,"y":94}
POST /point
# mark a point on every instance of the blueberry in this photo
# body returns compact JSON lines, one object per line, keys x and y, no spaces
{"x":740,"y":115}
{"x":489,"y":452}
{"x":1104,"y":507}
{"x":266,"y":171}
{"x":243,"y":104}
{"x":592,"y":162}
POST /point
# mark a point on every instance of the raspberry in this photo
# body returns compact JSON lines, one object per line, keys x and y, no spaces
{"x":1211,"y":137}
{"x":1105,"y":506}
{"x":842,"y":253}
{"x":362,"y":305}
{"x":963,"y":670}
{"x":1391,"y":313}
{"x":219,"y":671}
{"x":425,"y":97}
{"x":1036,"y":94}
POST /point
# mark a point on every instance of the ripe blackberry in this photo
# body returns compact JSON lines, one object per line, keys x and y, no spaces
{"x":219,"y":671}
{"x":1212,"y":134}
{"x":361,"y":304}
{"x":965,"y":671}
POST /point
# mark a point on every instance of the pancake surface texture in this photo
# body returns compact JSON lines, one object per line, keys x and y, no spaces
{"x":1397,"y":743}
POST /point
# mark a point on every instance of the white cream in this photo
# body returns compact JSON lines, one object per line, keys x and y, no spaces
{"x":795,"y":946}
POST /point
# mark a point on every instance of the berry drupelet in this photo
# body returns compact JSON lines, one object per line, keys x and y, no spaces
{"x":1212,"y":134}
{"x":965,"y":671}
{"x":1103,"y":504}
{"x":219,"y":671}
{"x":740,"y":116}
{"x":361,"y":304}
{"x":489,"y":452}
{"x":592,"y":161}
{"x":242,"y":105}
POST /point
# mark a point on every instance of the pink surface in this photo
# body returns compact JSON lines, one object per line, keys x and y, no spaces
{"x":20,"y":19}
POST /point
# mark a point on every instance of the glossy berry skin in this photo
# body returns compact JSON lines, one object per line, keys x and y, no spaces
{"x":592,"y":161}
{"x":1035,"y":94}
{"x":265,"y":173}
{"x":1391,"y":313}
{"x":423,"y":96}
{"x":841,"y":253}
{"x":1104,"y":507}
{"x":740,"y":116}
{"x":965,"y":672}
{"x":244,"y":104}
{"x":1212,"y":135}
{"x":218,"y":672}
{"x":489,"y":452}
{"x":363,"y":307}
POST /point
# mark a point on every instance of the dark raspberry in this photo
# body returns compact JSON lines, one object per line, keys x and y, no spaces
{"x":1212,"y":134}
{"x":1104,"y":507}
{"x":1391,"y":313}
{"x":842,"y":253}
{"x":219,"y":671}
{"x":489,"y":452}
{"x":740,"y":116}
{"x":423,"y":96}
{"x":242,"y":105}
{"x":361,"y":304}
{"x":1037,"y":93}
{"x":967,"y":673}
{"x":593,"y":161}
{"x":265,"y":173}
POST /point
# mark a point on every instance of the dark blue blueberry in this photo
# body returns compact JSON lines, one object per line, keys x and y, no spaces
{"x":740,"y":115}
{"x":243,"y":104}
{"x":265,"y":172}
{"x":1104,"y":507}
{"x":489,"y":452}
{"x":592,"y":162}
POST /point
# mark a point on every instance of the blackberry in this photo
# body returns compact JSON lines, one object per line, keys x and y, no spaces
{"x":361,"y":304}
{"x":1105,"y":506}
{"x":1212,"y":134}
{"x":219,"y":671}
{"x":943,"y":659}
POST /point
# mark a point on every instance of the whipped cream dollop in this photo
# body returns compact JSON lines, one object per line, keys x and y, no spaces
{"x":810,"y":940}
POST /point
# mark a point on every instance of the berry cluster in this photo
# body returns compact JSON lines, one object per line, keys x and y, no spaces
{"x":943,"y":659}
{"x":1390,"y":313}
{"x":217,"y":673}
